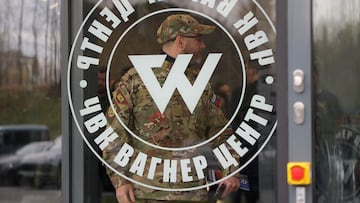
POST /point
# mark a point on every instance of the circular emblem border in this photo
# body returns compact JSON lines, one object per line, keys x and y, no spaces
{"x":108,"y":165}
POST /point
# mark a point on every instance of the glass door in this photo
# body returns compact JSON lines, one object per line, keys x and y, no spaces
{"x":336,"y":45}
{"x":30,"y":101}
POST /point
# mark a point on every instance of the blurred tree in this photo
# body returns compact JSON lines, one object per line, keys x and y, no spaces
{"x":35,"y":66}
{"x":18,"y":61}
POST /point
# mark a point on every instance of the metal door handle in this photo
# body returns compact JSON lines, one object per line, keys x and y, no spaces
{"x":299,"y":112}
{"x":298,"y":81}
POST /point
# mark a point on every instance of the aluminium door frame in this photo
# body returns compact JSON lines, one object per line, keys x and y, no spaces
{"x":294,"y":51}
{"x":73,"y":162}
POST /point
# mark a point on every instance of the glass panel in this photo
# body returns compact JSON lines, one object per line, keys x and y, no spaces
{"x":336,"y":35}
{"x":30,"y":106}
{"x":239,"y":96}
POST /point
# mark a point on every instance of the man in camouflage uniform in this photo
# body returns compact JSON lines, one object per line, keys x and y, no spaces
{"x":175,"y":127}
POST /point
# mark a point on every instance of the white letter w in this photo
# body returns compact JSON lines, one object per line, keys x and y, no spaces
{"x":176,"y":78}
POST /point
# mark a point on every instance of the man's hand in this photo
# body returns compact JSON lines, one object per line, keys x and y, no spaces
{"x":125,"y":194}
{"x":232,"y":185}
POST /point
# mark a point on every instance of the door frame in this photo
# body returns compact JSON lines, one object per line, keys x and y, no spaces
{"x":294,"y":51}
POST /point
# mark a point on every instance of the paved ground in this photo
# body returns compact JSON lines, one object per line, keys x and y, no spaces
{"x":28,"y":195}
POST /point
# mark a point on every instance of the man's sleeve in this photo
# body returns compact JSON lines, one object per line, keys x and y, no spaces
{"x":217,"y":121}
{"x":122,"y":107}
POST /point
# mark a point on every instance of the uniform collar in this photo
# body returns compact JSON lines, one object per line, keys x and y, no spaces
{"x":168,"y":57}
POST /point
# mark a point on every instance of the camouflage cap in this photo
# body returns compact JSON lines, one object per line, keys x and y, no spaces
{"x":181,"y":24}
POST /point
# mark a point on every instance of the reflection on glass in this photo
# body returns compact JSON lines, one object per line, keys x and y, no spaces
{"x":10,"y":163}
{"x":29,"y":101}
{"x":336,"y":26}
{"x":44,"y":167}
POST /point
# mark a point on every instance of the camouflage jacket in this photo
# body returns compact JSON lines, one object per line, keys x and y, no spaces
{"x":175,"y":128}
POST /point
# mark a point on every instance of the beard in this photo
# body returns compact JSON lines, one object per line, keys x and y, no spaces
{"x":197,"y":58}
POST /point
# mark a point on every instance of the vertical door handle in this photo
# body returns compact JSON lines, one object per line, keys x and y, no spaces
{"x":299,"y":112}
{"x":298,"y":81}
